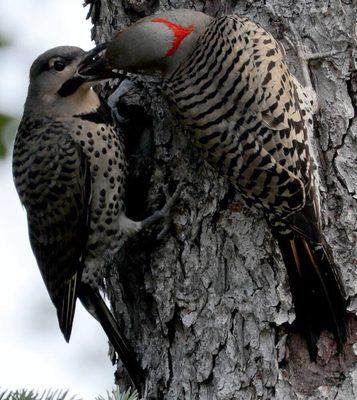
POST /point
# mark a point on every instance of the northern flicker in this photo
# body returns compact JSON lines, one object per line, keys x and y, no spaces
{"x":69,"y":170}
{"x":227,"y":80}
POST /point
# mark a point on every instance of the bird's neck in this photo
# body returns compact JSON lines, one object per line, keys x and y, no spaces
{"x":82,"y":101}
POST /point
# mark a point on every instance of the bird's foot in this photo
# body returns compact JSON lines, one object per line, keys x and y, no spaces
{"x":124,"y":86}
{"x":304,"y":55}
{"x":164,"y":212}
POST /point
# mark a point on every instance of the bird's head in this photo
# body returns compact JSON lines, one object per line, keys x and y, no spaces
{"x":160,"y":42}
{"x":54,"y":82}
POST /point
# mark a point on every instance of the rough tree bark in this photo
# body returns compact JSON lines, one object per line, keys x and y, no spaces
{"x":208,"y":308}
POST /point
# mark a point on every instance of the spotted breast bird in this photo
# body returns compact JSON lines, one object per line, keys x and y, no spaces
{"x":227,"y":80}
{"x":69,"y":170}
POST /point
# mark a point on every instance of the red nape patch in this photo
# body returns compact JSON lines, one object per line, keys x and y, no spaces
{"x":180,"y":32}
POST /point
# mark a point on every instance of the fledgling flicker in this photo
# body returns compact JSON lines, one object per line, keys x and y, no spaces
{"x":227,"y":80}
{"x":69,"y":170}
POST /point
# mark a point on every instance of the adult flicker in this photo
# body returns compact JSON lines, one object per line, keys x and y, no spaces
{"x":69,"y":170}
{"x":227,"y":81}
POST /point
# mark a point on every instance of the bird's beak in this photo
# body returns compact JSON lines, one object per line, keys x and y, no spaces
{"x":92,"y":67}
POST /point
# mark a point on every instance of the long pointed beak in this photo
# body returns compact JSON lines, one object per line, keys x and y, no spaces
{"x":92,"y":67}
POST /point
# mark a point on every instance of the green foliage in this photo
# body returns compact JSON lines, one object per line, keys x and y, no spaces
{"x":116,"y":394}
{"x":24,"y":394}
{"x":4,"y":121}
{"x":4,"y":42}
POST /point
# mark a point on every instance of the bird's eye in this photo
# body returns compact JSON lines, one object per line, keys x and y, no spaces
{"x":59,"y":65}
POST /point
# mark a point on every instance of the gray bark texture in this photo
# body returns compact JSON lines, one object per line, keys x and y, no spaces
{"x":208,"y":308}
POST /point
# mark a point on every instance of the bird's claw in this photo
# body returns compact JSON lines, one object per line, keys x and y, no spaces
{"x":303,"y":55}
{"x":123,"y":87}
{"x":170,"y":200}
{"x":301,"y":51}
{"x":166,"y":209}
{"x":164,"y":212}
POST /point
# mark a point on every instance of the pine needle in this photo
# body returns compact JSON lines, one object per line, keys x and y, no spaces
{"x":24,"y":394}
{"x":116,"y":394}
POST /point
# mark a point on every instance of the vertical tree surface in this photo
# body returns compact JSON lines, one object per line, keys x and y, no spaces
{"x":208,"y":308}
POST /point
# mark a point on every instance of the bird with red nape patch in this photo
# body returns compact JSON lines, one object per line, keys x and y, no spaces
{"x":228,"y":82}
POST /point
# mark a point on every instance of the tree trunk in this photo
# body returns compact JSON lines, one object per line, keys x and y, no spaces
{"x":208,"y":308}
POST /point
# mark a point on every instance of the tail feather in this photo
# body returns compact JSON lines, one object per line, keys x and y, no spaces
{"x":66,"y":306}
{"x":316,"y":289}
{"x":95,"y":305}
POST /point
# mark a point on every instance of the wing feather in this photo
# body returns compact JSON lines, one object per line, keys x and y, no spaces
{"x":55,"y":189}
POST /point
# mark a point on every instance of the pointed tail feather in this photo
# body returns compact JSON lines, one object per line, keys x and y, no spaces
{"x":66,"y":306}
{"x":316,"y":289}
{"x":95,"y":305}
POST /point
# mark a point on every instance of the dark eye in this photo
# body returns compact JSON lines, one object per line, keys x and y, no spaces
{"x":59,"y":65}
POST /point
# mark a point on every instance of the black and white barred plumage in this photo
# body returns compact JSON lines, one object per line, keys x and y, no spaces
{"x":227,"y":81}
